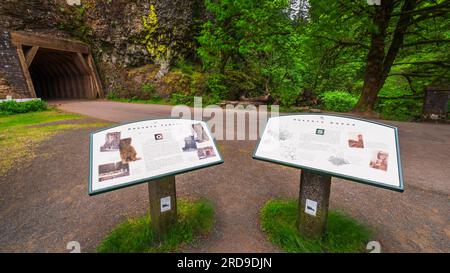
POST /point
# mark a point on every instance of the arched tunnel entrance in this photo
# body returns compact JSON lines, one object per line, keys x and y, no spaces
{"x":57,"y":68}
{"x":60,"y":75}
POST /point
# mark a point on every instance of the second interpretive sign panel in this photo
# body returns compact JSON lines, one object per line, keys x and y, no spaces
{"x":141,"y":151}
{"x":350,"y":148}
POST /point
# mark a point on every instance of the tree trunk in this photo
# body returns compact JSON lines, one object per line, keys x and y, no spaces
{"x":373,"y":76}
{"x":378,"y":65}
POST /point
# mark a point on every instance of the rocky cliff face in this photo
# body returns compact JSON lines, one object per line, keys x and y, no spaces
{"x":44,"y":16}
{"x":113,"y":28}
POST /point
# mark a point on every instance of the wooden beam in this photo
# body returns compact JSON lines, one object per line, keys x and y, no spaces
{"x":95,"y":77}
{"x":26,"y":73}
{"x":30,"y":55}
{"x":19,"y":38}
{"x":83,"y":62}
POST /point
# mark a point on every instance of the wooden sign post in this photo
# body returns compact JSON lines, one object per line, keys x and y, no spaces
{"x":313,"y":201}
{"x":325,"y":146}
{"x":163,"y":205}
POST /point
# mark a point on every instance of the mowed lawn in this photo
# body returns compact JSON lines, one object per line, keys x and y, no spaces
{"x":21,"y":134}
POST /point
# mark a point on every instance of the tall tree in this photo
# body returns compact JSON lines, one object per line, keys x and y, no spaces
{"x":390,"y":24}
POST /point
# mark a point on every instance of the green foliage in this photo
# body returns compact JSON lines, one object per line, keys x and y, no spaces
{"x":136,"y":235}
{"x":400,"y":109}
{"x":217,"y":87}
{"x":344,"y":234}
{"x":254,"y":45}
{"x":13,"y":107}
{"x":77,"y":25}
{"x":338,"y":101}
{"x":181,"y":98}
{"x":185,"y":66}
{"x":112,"y":95}
{"x":148,"y":91}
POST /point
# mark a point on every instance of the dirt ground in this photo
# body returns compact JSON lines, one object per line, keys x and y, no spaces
{"x":44,"y":203}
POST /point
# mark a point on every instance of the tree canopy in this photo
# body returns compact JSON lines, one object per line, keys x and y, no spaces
{"x":292,"y":49}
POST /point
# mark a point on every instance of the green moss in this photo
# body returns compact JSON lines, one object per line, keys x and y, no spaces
{"x":153,"y":40}
{"x":344,"y":234}
{"x":136,"y":235}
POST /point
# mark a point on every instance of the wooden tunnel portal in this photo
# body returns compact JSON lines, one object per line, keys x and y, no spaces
{"x":57,"y":68}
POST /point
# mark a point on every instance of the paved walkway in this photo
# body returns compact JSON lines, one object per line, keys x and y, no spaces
{"x":56,"y":208}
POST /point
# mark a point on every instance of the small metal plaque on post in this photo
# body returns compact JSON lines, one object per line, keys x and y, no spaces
{"x":165,"y":204}
{"x":311,"y":207}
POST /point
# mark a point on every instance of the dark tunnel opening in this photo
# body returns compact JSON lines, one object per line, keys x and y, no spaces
{"x":60,"y":75}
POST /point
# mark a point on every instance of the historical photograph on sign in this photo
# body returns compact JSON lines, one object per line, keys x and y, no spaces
{"x":127,"y":151}
{"x":199,"y":133}
{"x":205,"y":152}
{"x":380,"y":161}
{"x":112,"y":170}
{"x":111,"y":142}
{"x":189,"y":144}
{"x":355,"y":140}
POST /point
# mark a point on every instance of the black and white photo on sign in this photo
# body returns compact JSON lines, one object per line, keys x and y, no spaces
{"x":112,"y":141}
{"x":355,"y":140}
{"x":189,"y":144}
{"x":200,"y":134}
{"x":206,"y":152}
{"x":127,"y":151}
{"x":380,"y":160}
{"x":113,"y":170}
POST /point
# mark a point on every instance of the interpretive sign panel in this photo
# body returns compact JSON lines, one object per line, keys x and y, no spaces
{"x":350,"y":148}
{"x":137,"y":152}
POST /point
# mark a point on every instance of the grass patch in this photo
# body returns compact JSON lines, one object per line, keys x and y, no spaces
{"x":344,"y":234}
{"x":21,"y":134}
{"x":136,"y":235}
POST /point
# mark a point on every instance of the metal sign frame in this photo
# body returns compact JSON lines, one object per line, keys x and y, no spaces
{"x":144,"y":180}
{"x":347,"y":177}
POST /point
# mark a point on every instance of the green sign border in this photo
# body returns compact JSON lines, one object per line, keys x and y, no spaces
{"x":352,"y":178}
{"x":149,"y":179}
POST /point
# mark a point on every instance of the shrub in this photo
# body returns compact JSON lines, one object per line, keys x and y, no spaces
{"x":338,"y":101}
{"x":112,"y":95}
{"x":149,"y":92}
{"x":216,"y":86}
{"x":14,"y":107}
{"x":181,"y":98}
{"x":400,"y":109}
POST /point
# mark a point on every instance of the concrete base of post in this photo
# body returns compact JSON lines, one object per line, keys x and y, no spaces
{"x":313,"y":204}
{"x":163,"y":205}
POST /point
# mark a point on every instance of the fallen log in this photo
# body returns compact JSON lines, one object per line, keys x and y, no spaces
{"x":264,"y":98}
{"x":238,"y":102}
